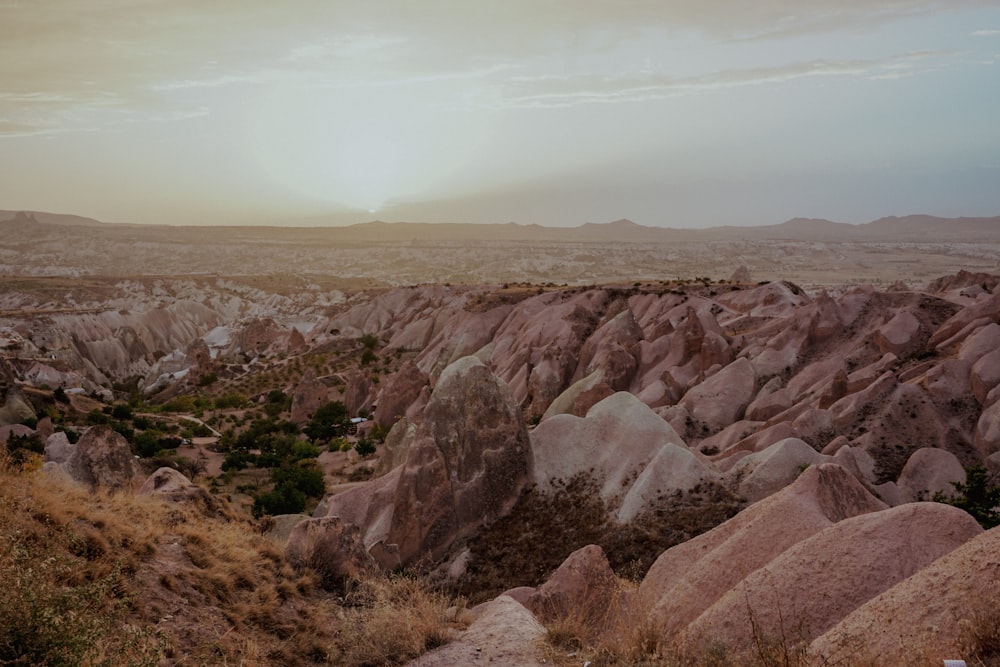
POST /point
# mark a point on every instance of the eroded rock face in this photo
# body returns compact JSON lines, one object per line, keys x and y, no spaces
{"x":924,"y":614}
{"x":103,"y":459}
{"x":466,"y":464}
{"x":583,"y":583}
{"x":613,"y":444}
{"x":308,"y":396}
{"x":927,"y":472}
{"x":690,"y":577}
{"x":817,"y":582}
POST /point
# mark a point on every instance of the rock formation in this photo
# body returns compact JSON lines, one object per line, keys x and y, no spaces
{"x":466,"y":464}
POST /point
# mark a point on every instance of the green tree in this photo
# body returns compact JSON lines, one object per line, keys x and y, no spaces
{"x":977,"y":495}
{"x":329,"y":421}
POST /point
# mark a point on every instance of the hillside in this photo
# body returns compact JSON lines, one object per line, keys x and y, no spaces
{"x":691,"y":444}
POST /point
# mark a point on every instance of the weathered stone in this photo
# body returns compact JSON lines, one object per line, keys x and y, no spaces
{"x":103,"y":459}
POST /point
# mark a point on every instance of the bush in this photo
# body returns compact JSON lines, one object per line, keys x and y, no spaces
{"x":365,"y":447}
{"x":977,"y":495}
{"x":284,"y":499}
{"x":121,"y":411}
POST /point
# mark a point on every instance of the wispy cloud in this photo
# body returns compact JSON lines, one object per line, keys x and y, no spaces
{"x":565,"y":91}
{"x":986,"y":33}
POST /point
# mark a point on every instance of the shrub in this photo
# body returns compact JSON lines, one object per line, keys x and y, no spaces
{"x":977,"y":495}
{"x":365,"y":447}
{"x":121,"y":411}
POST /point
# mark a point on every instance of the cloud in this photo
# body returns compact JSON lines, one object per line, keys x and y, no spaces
{"x":152,"y":56}
{"x":554,"y":92}
{"x":986,"y":33}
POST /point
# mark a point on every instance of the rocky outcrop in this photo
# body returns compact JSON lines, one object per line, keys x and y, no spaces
{"x":467,"y":463}
{"x":307,"y":397}
{"x":810,"y":587}
{"x":924,"y":617}
{"x":102,"y":459}
{"x":613,"y":444}
{"x":927,"y":472}
{"x":173,"y":486}
{"x":504,"y":634}
{"x":690,"y":577}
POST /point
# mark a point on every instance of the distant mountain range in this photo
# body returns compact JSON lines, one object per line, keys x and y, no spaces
{"x":912,"y":228}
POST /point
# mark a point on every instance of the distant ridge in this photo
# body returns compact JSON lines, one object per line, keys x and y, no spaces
{"x":910,"y":228}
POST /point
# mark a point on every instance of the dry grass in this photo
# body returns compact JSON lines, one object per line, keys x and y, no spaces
{"x":97,"y":579}
{"x":980,"y":630}
{"x":391,"y":619}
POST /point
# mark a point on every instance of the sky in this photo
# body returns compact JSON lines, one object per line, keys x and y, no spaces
{"x":678,"y":113}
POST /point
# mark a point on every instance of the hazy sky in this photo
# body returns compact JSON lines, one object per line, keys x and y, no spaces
{"x":667,"y":112}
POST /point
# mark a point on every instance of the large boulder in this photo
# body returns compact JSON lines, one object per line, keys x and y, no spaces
{"x":722,"y":399}
{"x":772,"y":469}
{"x":929,"y":470}
{"x":809,"y":588}
{"x":582,"y":585}
{"x":505,"y":634}
{"x":102,"y":459}
{"x":172,"y":485}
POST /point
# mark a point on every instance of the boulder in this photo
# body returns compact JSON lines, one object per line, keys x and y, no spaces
{"x":331,"y":548}
{"x":505,"y":634}
{"x":675,"y":468}
{"x":58,"y":448}
{"x":765,"y":472}
{"x":987,"y":435}
{"x":929,"y":470}
{"x":901,"y":335}
{"x":172,"y":485}
{"x":102,"y":459}
{"x":583,"y":584}
{"x":985,"y":375}
{"x":16,"y":408}
{"x":722,"y":399}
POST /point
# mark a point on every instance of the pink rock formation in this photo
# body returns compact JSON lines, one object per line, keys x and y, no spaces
{"x":688,"y":578}
{"x":810,"y":587}
{"x":614,"y":443}
{"x":309,"y":394}
{"x":929,"y":471}
{"x":922,"y":619}
{"x":466,"y":465}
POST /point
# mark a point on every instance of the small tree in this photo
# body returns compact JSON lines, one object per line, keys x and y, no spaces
{"x":977,"y":495}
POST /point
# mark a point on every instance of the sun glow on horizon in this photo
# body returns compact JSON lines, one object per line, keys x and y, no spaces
{"x":361,"y":150}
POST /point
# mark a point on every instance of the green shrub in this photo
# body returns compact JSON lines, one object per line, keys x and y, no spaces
{"x":365,"y":446}
{"x":977,"y":495}
{"x":121,"y":411}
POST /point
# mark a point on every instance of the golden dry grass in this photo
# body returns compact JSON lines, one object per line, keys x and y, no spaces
{"x":99,"y":579}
